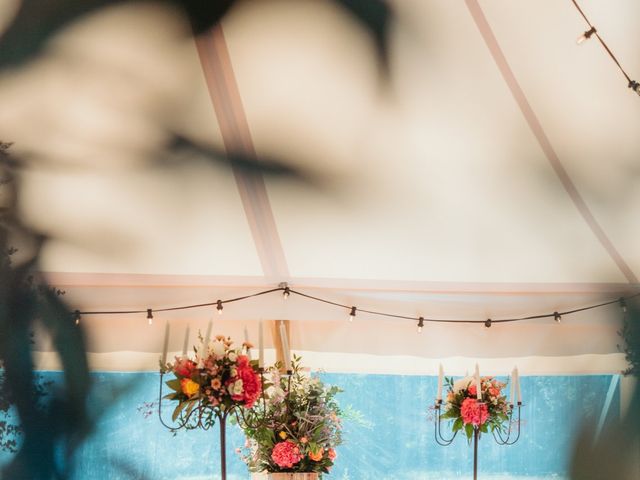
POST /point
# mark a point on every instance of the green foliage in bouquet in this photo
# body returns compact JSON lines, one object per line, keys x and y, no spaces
{"x":298,"y":431}
{"x":468,"y":413}
{"x":217,"y":376}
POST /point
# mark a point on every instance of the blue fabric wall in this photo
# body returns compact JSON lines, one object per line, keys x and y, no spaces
{"x":391,"y":439}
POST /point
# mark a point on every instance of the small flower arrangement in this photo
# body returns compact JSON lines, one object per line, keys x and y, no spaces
{"x":299,"y":425}
{"x":469,"y":413}
{"x":216,"y":376}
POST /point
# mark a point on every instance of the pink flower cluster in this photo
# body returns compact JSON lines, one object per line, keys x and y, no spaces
{"x":286,"y":454}
{"x":474,"y":412}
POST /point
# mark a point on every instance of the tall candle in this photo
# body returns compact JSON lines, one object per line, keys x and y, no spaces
{"x":207,"y":338}
{"x":185,"y":345}
{"x":260,"y":345}
{"x":518,"y":392}
{"x":512,"y":389}
{"x":165,"y":345}
{"x":285,"y":347}
{"x":246,"y":340}
{"x":478,"y":385}
{"x":440,"y":379}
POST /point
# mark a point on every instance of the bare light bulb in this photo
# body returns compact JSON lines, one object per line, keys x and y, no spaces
{"x":219,"y":307}
{"x":585,"y":36}
{"x":352,"y":314}
{"x":420,"y":324}
{"x":150,"y":316}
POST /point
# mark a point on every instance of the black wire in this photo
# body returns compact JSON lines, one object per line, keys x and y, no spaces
{"x":370,"y":312}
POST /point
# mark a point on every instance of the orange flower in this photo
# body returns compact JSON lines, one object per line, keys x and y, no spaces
{"x":316,"y":456}
{"x":332,"y":454}
{"x":189,"y":387}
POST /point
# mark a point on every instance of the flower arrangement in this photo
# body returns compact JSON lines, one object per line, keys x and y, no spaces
{"x":217,"y":376}
{"x":298,"y":427}
{"x":469,"y":413}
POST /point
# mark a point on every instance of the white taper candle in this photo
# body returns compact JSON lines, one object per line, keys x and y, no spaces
{"x":246,"y":340}
{"x":165,"y":344}
{"x":285,"y":347}
{"x":185,"y":345}
{"x":512,"y":389}
{"x":440,"y":380}
{"x":260,"y":345}
{"x":478,"y":384}
{"x":207,"y":338}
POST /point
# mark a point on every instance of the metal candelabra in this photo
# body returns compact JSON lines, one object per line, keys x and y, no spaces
{"x":204,"y":416}
{"x":500,"y":437}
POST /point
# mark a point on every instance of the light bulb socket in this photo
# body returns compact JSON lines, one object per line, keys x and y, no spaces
{"x":219,"y":307}
{"x":487,"y":323}
{"x":635,"y":86}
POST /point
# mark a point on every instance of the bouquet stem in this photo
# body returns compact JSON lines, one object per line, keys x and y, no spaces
{"x":222,"y":419}
{"x":476,"y":434}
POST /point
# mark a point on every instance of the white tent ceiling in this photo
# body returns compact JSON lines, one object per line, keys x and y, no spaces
{"x":494,"y":175}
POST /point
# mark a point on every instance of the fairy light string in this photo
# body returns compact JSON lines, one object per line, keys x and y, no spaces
{"x":593,"y":31}
{"x":555,"y":315}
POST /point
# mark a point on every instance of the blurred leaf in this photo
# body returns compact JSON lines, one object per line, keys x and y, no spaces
{"x":38,"y":20}
{"x":616,"y":453}
{"x":375,"y":16}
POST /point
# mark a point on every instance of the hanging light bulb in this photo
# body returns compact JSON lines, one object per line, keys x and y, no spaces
{"x":219,"y":307}
{"x":635,"y":86}
{"x":623,"y":304}
{"x":420,"y":324}
{"x":286,"y":292}
{"x":150,"y":316}
{"x":352,"y":314}
{"x":586,"y":35}
{"x":557,"y":317}
{"x":76,"y":315}
{"x":487,"y":323}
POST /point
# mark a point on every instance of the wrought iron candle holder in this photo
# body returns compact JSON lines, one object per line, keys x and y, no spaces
{"x":499,"y":437}
{"x":204,"y":416}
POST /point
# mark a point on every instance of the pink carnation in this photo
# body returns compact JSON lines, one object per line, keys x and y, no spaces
{"x":286,"y":454}
{"x":474,"y":412}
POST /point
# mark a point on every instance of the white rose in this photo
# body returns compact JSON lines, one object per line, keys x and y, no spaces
{"x":234,"y":372}
{"x":232,"y":356}
{"x":218,"y":348}
{"x":235,"y":388}
{"x":462,"y":384}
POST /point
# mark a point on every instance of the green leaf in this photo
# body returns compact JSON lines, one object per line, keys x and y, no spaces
{"x":457,"y":425}
{"x":174,"y":385}
{"x":468,"y":429}
{"x":177,"y":410}
{"x":191,"y":405}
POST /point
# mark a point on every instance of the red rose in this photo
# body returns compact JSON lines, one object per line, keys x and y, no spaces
{"x":251,"y":383}
{"x":184,"y":368}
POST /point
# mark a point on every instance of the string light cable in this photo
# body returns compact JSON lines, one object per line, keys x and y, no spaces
{"x":556,"y":315}
{"x":592,"y":31}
